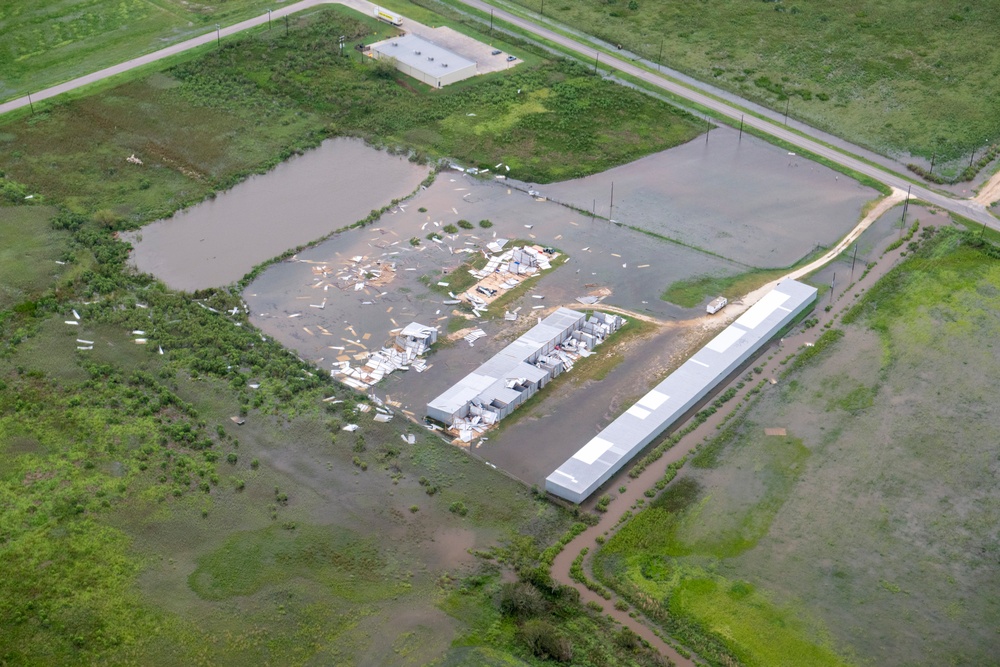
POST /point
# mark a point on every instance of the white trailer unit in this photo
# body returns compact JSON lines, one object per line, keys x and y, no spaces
{"x":716,"y":304}
{"x":387,"y":16}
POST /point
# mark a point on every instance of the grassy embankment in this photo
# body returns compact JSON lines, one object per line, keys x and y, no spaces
{"x":140,"y":524}
{"x":830,"y":545}
{"x":900,"y":77}
{"x":47,"y":42}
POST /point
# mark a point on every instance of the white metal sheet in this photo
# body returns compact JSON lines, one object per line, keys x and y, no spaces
{"x":593,"y":450}
{"x":653,"y":400}
{"x":760,"y":310}
{"x":636,"y":411}
{"x":722,"y":342}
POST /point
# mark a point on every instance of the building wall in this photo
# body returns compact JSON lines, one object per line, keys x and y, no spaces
{"x":633,"y":435}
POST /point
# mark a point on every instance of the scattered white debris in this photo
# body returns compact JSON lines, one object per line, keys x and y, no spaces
{"x":351,"y":428}
{"x":73,"y":322}
{"x":383,"y":418}
{"x":133,"y":159}
{"x":76,"y":315}
{"x":408,"y":438}
{"x":84,"y":342}
{"x":474,"y":335}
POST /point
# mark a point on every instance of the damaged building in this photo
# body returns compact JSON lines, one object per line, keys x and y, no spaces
{"x":516,"y":373}
{"x":604,"y":455}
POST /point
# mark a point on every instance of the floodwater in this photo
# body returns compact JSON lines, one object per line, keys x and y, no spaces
{"x":219,"y":241}
{"x":746,"y":200}
{"x":741,"y":205}
{"x":320,"y":322}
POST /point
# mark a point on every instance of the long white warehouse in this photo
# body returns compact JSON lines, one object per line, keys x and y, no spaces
{"x":582,"y":474}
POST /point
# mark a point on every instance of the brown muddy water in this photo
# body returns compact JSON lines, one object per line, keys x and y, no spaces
{"x":746,"y":200}
{"x":218,"y":241}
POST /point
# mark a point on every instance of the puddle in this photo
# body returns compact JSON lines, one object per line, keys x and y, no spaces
{"x":218,"y":241}
{"x":746,"y":200}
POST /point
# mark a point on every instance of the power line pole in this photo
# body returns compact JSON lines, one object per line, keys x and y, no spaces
{"x":611,"y":209}
{"x":659,"y":58}
{"x":741,"y":129}
{"x":708,"y":129}
{"x":491,"y":26}
{"x":906,"y":204}
{"x":218,"y":34}
{"x":269,"y":20}
{"x":853,"y":261}
{"x":31,"y":105}
{"x":597,"y":60}
{"x":787,"y":101}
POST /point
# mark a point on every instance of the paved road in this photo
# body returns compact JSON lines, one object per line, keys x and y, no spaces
{"x":970,"y":209}
{"x":965,"y":207}
{"x":180,"y":47}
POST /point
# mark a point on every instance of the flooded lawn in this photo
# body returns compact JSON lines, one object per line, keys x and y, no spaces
{"x":218,"y":241}
{"x":746,"y":200}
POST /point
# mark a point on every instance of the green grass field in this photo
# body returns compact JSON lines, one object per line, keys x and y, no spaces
{"x":206,"y":124}
{"x":47,"y":42}
{"x":140,"y":525}
{"x":29,"y":252}
{"x":900,"y":77}
{"x":863,"y":537}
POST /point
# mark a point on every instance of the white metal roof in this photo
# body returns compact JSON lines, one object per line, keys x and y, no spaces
{"x":422,"y":55}
{"x":626,"y":436}
{"x":509,"y":362}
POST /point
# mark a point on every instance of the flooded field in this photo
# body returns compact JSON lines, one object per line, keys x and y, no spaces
{"x":218,"y":241}
{"x":746,"y":200}
{"x":300,"y":303}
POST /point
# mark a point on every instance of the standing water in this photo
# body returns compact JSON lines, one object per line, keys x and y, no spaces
{"x":218,"y":241}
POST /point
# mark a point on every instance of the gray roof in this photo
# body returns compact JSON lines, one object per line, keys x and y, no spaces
{"x":509,"y":363}
{"x":626,"y":436}
{"x":422,"y":55}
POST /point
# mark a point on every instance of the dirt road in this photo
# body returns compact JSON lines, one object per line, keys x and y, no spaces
{"x":635,"y":488}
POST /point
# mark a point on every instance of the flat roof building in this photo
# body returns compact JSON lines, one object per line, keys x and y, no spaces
{"x":598,"y":460}
{"x":424,"y":60}
{"x":514,"y":374}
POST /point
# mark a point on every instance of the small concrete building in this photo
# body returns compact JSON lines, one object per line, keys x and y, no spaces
{"x":605,"y":454}
{"x":424,"y":60}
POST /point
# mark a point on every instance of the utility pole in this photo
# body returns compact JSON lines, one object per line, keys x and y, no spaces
{"x":931,"y":170}
{"x":659,"y":58}
{"x":741,"y":129}
{"x":611,"y":209}
{"x":853,"y":261}
{"x":597,"y":60}
{"x":593,"y":214}
{"x":31,"y":105}
{"x":972,"y":157}
{"x":906,"y":203}
{"x":708,"y":129}
{"x":832,"y":283}
{"x":787,"y":101}
{"x":218,"y":34}
{"x":541,"y":12}
{"x":491,"y":25}
{"x":286,"y":25}
{"x":269,"y":20}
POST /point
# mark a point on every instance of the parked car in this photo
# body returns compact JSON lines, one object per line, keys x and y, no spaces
{"x":497,"y":52}
{"x":511,"y":59}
